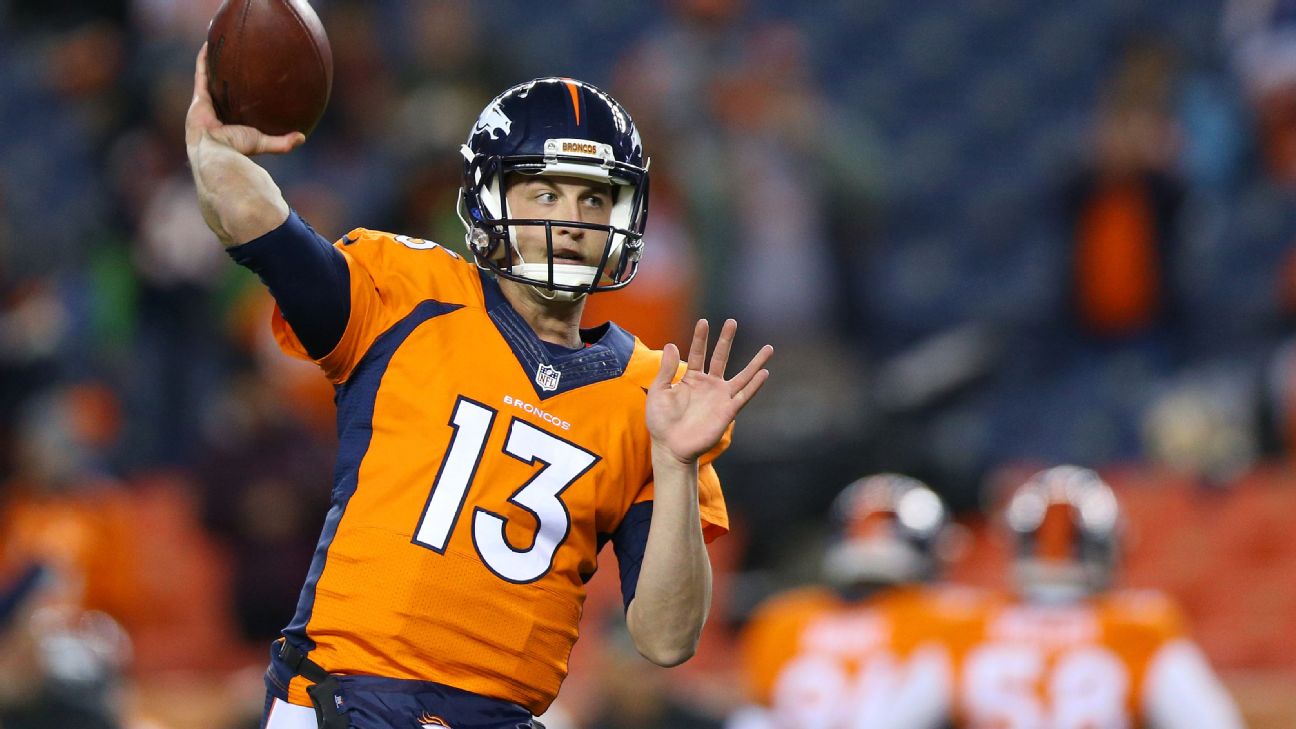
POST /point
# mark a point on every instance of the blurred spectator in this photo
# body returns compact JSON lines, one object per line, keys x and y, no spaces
{"x":447,"y":73}
{"x":33,"y":327}
{"x":1124,"y":205}
{"x":266,"y":482}
{"x":62,"y":507}
{"x":65,"y":530}
{"x":776,"y":176}
{"x":60,"y":666}
{"x":63,"y":668}
{"x":776,"y":185}
{"x":1247,"y":264}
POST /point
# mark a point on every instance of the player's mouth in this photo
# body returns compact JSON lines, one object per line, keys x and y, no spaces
{"x":568,"y":256}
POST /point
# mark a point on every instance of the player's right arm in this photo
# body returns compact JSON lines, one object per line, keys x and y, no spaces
{"x":246,"y":210}
{"x":239,"y":200}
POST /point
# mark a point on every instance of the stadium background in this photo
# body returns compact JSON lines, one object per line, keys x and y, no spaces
{"x":984,"y":236}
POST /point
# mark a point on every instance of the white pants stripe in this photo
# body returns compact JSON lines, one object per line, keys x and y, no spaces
{"x":284,"y":715}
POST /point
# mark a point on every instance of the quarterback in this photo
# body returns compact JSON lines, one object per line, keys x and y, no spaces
{"x":488,"y":446}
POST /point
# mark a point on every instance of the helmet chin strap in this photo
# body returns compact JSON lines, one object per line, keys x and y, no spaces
{"x":566,"y":274}
{"x":546,"y":293}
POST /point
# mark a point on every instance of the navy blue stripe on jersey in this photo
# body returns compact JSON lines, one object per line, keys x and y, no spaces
{"x":308,"y":278}
{"x":629,"y":542}
{"x":355,"y":407}
{"x":605,"y":358}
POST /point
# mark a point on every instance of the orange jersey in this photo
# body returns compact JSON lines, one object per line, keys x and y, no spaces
{"x":815,"y":659}
{"x":1080,"y":666}
{"x":478,"y":474}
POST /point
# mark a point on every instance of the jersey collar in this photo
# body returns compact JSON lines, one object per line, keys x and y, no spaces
{"x":605,"y":356}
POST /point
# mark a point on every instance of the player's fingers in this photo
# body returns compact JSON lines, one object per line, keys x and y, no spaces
{"x":745,"y":395}
{"x":697,"y":350}
{"x":281,"y":144}
{"x":720,"y":357}
{"x":744,"y":378}
{"x":669,"y":364}
{"x":201,"y":115}
{"x":200,"y":76}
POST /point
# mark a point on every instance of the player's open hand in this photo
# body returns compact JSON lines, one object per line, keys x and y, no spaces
{"x":690,"y":416}
{"x":201,"y":121}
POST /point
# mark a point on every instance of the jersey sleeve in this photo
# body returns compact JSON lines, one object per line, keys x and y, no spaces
{"x":307,"y":277}
{"x":389,"y":275}
{"x":711,"y":503}
{"x":630,"y":541}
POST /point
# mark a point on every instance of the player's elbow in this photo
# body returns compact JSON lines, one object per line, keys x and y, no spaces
{"x":667,"y":637}
{"x":668,"y":654}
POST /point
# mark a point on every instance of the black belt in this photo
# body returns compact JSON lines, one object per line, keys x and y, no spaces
{"x":325,"y":695}
{"x":300,"y":664}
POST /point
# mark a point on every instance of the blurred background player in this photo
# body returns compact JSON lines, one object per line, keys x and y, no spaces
{"x":863,"y":650}
{"x":1072,"y":651}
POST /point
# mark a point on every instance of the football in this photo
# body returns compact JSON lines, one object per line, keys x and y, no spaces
{"x":269,"y":65}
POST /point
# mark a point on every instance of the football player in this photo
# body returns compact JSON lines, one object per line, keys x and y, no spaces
{"x":1071,"y":651}
{"x":488,"y":447}
{"x":863,"y":650}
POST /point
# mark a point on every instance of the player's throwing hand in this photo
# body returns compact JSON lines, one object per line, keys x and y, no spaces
{"x":202,"y":121}
{"x":689,"y":417}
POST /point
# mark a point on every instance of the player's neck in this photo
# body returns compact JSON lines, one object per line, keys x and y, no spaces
{"x":557,"y":322}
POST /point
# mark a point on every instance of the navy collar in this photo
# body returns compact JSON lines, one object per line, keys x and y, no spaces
{"x":551,"y":373}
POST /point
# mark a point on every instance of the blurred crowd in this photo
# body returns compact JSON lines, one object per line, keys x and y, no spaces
{"x":979,"y":234}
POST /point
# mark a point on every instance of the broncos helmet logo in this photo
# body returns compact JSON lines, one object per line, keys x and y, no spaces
{"x":493,"y":120}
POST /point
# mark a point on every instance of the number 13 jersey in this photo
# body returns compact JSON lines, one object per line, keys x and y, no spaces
{"x":479,"y":472}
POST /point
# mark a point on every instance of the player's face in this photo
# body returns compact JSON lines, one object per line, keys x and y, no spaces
{"x":543,"y":197}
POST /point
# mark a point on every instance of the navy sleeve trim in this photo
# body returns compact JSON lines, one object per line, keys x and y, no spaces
{"x":629,"y":542}
{"x":308,"y":278}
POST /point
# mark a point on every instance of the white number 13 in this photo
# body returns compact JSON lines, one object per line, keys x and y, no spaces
{"x":564,"y":463}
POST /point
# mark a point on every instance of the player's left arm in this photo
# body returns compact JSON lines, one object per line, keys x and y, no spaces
{"x":1182,"y":690}
{"x":686,"y":419}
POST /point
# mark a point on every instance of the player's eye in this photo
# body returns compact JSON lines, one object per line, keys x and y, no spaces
{"x":546,"y":196}
{"x":596,"y":200}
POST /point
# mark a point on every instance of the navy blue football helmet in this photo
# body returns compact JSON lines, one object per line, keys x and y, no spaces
{"x":555,"y":126}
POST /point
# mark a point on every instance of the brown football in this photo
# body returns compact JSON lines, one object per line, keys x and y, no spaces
{"x":269,"y":65}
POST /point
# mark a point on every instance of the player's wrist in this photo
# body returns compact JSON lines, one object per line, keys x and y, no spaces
{"x":666,"y":459}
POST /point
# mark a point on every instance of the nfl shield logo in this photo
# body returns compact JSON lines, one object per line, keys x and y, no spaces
{"x":547,"y":378}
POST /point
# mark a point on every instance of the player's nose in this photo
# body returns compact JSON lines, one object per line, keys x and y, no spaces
{"x":570,"y":209}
